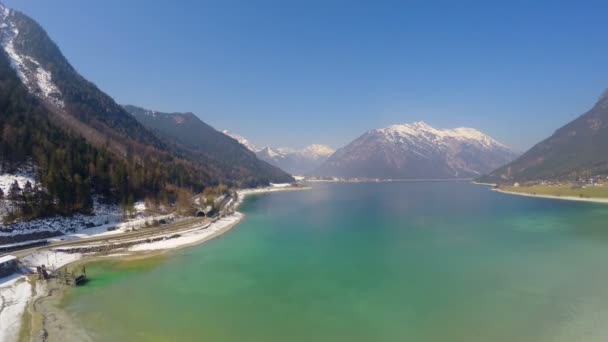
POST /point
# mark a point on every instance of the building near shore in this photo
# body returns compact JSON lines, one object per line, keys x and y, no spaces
{"x":8,"y":265}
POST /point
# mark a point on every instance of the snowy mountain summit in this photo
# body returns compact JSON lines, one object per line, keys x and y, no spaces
{"x":421,"y":132}
{"x":251,"y":147}
{"x":294,"y":161}
{"x":417,"y":151}
{"x":37,"y":79}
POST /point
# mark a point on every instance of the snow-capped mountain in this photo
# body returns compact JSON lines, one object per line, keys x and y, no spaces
{"x":294,"y":161}
{"x":36,"y":78}
{"x":251,"y":147}
{"x":417,"y":151}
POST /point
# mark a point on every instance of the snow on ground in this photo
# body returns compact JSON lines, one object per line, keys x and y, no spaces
{"x":22,"y":176}
{"x":280,"y":185}
{"x":15,"y":292}
{"x":105,"y":215}
{"x":190,"y":237}
{"x":51,"y":259}
{"x":140,"y":206}
{"x":274,"y":187}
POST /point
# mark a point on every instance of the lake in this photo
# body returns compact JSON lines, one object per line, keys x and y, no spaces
{"x":408,"y":261}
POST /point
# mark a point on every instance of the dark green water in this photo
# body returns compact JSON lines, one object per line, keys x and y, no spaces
{"x":370,"y":262}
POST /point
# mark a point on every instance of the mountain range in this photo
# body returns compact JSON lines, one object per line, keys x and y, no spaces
{"x":417,"y":151}
{"x":198,"y":141}
{"x":295,"y":161}
{"x":83,"y":143}
{"x":576,"y":150}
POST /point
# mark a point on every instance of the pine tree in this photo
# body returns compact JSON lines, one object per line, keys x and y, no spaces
{"x":131,"y":205}
{"x":14,"y":192}
{"x":28,"y":187}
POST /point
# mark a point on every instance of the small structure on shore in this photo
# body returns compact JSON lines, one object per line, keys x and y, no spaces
{"x":42,"y":272}
{"x":72,"y":278}
{"x":8,"y":265}
{"x":206,"y":212}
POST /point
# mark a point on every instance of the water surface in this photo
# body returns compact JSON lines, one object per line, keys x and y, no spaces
{"x":414,"y":261}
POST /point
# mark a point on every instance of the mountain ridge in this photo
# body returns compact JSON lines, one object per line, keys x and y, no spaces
{"x":574,"y":150}
{"x":295,"y":161}
{"x":416,"y":151}
{"x":81,"y":142}
{"x":206,"y":145}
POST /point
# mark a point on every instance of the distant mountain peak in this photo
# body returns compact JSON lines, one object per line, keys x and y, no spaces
{"x":415,"y":151}
{"x":36,"y":78}
{"x":251,"y":147}
{"x":317,"y":151}
{"x":420,"y":129}
{"x":295,"y":161}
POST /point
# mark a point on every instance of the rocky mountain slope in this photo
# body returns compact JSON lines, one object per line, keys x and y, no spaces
{"x":80,"y":141}
{"x":578,"y":149}
{"x":417,"y":151}
{"x":295,"y":161}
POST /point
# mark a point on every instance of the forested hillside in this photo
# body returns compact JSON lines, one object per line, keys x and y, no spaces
{"x":69,"y":168}
{"x":83,"y":144}
{"x":576,"y":150}
{"x":226,"y":159}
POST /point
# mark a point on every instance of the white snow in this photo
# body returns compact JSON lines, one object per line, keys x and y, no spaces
{"x":203,"y":232}
{"x":420,"y":131}
{"x":193,"y":236}
{"x":105,"y":217}
{"x":107,"y":220}
{"x":6,"y":258}
{"x":49,"y":258}
{"x":251,"y":147}
{"x":312,"y":152}
{"x":140,"y":206}
{"x":38,"y":80}
{"x":280,"y":185}
{"x":269,"y":152}
{"x":317,"y":151}
{"x":15,"y":293}
{"x":23,"y":175}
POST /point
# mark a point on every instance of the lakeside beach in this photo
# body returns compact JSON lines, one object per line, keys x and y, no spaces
{"x":521,"y":192}
{"x":29,"y":307}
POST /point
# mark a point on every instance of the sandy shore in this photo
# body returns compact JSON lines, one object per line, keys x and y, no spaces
{"x":30,"y":308}
{"x":564,"y":198}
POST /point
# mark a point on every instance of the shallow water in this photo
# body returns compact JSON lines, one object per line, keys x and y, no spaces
{"x":416,"y":261}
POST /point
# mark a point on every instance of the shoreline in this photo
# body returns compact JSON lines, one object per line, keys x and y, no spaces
{"x":37,"y":315}
{"x":372,"y":180}
{"x":563,"y":198}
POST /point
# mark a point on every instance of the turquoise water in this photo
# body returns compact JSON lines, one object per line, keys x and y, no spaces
{"x":417,"y":261}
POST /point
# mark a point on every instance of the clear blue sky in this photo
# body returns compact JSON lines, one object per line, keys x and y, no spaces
{"x":290,"y":73}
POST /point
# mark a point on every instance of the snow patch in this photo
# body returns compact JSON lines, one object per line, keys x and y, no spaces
{"x":190,"y":237}
{"x":420,"y":131}
{"x":251,"y":147}
{"x":107,"y":220}
{"x":280,"y":185}
{"x":22,"y":176}
{"x":50,"y":259}
{"x":38,"y":80}
{"x":15,"y":293}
